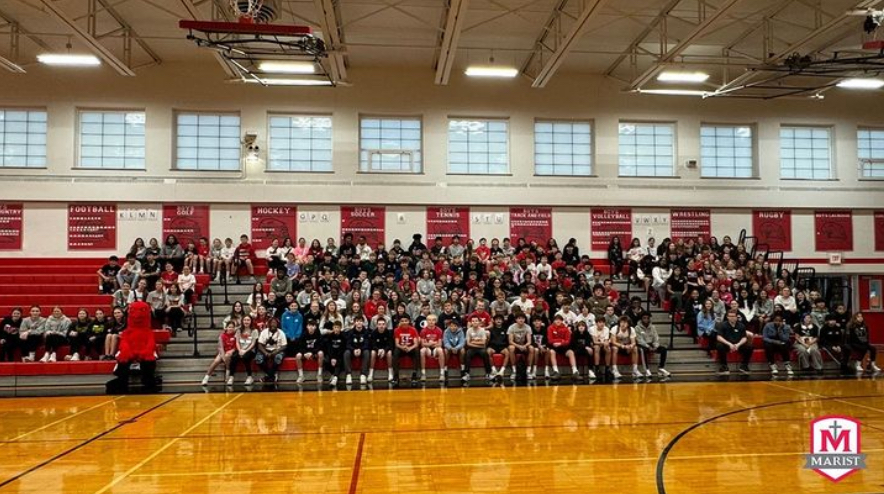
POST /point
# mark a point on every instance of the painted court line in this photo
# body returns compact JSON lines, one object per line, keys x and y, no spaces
{"x":51,"y":424}
{"x":166,"y":446}
{"x":831,"y":398}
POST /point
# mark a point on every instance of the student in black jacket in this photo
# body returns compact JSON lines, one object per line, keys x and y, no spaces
{"x":335,"y":346}
{"x":858,"y":343}
{"x":381,"y":343}
{"x":615,"y":257}
{"x":832,"y":341}
{"x":310,"y":347}
{"x":9,"y":338}
{"x":358,"y":346}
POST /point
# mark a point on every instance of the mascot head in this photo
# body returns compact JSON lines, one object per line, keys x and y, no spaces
{"x":139,"y":316}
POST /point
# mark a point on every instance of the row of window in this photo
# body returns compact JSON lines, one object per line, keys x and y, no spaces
{"x":303,"y":143}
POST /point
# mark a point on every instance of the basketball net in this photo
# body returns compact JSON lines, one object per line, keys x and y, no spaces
{"x":247,"y":10}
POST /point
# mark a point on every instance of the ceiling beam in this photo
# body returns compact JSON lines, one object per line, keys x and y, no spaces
{"x":455,"y":16}
{"x":129,"y":31}
{"x":699,"y":31}
{"x":194,"y":14}
{"x":11,"y":66}
{"x":93,"y":44}
{"x":561,"y":47}
{"x":330,"y":21}
{"x":664,"y":12}
{"x":37,"y":40}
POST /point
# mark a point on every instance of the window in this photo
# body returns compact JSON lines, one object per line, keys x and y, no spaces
{"x":478,"y":146}
{"x":300,"y":143}
{"x":208,"y":142}
{"x":562,"y":148}
{"x":870,"y":144}
{"x":805,"y":153}
{"x":647,"y":149}
{"x":726,"y":151}
{"x":390,"y":145}
{"x":112,"y":140}
{"x":23,"y":138}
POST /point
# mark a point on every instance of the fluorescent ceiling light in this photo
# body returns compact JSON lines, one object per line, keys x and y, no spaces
{"x":287,"y":67}
{"x":288,"y":82}
{"x":675,"y":92}
{"x":491,"y":71}
{"x":671,"y":76}
{"x":861,"y":83}
{"x":68,"y":60}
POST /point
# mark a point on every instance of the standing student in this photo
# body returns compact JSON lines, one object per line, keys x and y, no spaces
{"x":432,"y":346}
{"x":246,"y":340}
{"x":10,"y":341}
{"x":31,"y":333}
{"x":407,"y":342}
{"x":519,"y":336}
{"x":271,"y":350}
{"x":558,"y":337}
{"x":381,"y":349}
{"x":310,"y":347}
{"x":454,"y":341}
{"x":648,"y":341}
{"x":336,"y":345}
{"x":476,"y":346}
{"x":777,"y":339}
{"x":615,"y":257}
{"x":226,"y":347}
{"x":358,"y":346}
{"x":623,"y":342}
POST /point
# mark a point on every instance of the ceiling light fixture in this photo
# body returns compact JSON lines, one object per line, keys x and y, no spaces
{"x":68,"y":60}
{"x":861,"y":83}
{"x":491,"y":71}
{"x":675,"y":92}
{"x":287,"y":67}
{"x":269,"y":81}
{"x":690,"y":77}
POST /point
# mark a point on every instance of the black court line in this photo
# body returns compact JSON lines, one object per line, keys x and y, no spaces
{"x":86,"y":442}
{"x":661,"y":460}
{"x":357,"y":464}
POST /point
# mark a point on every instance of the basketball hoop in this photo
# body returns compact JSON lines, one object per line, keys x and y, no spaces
{"x":254,"y":11}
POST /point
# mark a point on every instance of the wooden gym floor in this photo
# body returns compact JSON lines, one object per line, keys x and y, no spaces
{"x":720,"y":438}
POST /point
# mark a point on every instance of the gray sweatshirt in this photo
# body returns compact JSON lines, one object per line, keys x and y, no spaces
{"x":647,"y":336}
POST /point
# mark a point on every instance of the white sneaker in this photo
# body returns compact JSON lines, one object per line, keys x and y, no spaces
{"x":205,"y":381}
{"x":389,"y":375}
{"x":637,"y":373}
{"x":349,"y":379}
{"x":442,"y":376}
{"x":874,"y":368}
{"x":648,"y":373}
{"x":465,"y":377}
{"x":28,"y":358}
{"x":616,"y":372}
{"x":333,"y":381}
{"x":75,"y":357}
{"x":230,"y":381}
{"x":858,"y":366}
{"x":249,"y":381}
{"x":362,"y":379}
{"x":370,"y":377}
{"x":319,"y":377}
{"x":300,"y":379}
{"x":789,"y":370}
{"x":590,"y":374}
{"x":531,"y":376}
{"x":52,"y":357}
{"x":45,"y":358}
{"x":773,"y":369}
{"x":664,"y":372}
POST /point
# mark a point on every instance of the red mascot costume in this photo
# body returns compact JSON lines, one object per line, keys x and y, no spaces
{"x":137,"y":344}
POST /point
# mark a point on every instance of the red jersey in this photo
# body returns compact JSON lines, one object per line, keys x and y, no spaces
{"x":558,"y":334}
{"x":371,"y":307}
{"x":228,"y":341}
{"x":432,"y":335}
{"x":406,"y":336}
{"x":244,"y":251}
{"x":613,"y":295}
{"x":483,"y":316}
{"x":169,"y":278}
{"x":202,"y":250}
{"x":483,"y":252}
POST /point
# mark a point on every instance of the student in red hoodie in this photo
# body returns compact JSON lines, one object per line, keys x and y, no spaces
{"x":244,"y":255}
{"x":431,"y":346}
{"x":407,"y":342}
{"x":558,"y":337}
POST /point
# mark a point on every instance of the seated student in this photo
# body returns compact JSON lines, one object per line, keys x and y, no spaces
{"x":623,"y":342}
{"x":271,"y":350}
{"x":157,"y":302}
{"x":858,"y":343}
{"x":706,"y":324}
{"x":226,"y":347}
{"x":96,"y":336}
{"x":130,"y":271}
{"x":140,"y":293}
{"x":358,"y":346}
{"x":169,"y":277}
{"x":454,"y":342}
{"x":335,"y":346}
{"x":244,"y":255}
{"x":582,"y":346}
{"x":55,"y":334}
{"x":407,"y":342}
{"x":246,"y":343}
{"x":31,"y":333}
{"x":122,"y":297}
{"x":777,"y":339}
{"x":187,"y":284}
{"x":601,"y":346}
{"x":832,"y":341}
{"x":107,"y":276}
{"x":476,"y":346}
{"x":731,"y":338}
{"x":224,"y":266}
{"x":381,"y":348}
{"x":498,"y":343}
{"x":150,"y":270}
{"x":648,"y":341}
{"x":172,"y":252}
{"x":541,"y":350}
{"x":174,"y":309}
{"x":519,"y":339}
{"x":116,"y":325}
{"x":10,"y":341}
{"x":558,"y":337}
{"x":806,"y":338}
{"x":310,"y":346}
{"x":432,"y":346}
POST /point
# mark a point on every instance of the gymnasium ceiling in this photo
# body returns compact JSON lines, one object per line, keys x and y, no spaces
{"x":629,"y":40}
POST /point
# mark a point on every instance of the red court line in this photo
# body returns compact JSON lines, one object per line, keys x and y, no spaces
{"x":357,"y":464}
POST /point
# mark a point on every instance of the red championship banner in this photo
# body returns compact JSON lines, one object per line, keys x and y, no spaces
{"x":532,"y":224}
{"x":92,"y":226}
{"x":834,"y":230}
{"x":11,"y":226}
{"x":448,"y":222}
{"x":273,"y":222}
{"x":607,"y":223}
{"x":773,"y":228}
{"x":188,"y":222}
{"x":690,"y":224}
{"x":879,"y":230}
{"x":364,"y":221}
